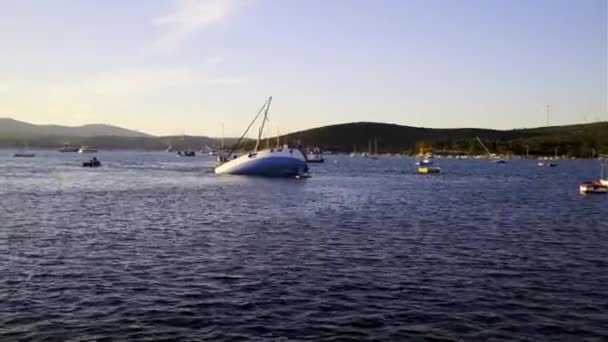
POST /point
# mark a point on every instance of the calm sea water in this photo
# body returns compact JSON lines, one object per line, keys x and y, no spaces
{"x":151,"y":246}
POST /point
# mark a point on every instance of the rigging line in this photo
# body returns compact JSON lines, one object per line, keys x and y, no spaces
{"x":234,"y":147}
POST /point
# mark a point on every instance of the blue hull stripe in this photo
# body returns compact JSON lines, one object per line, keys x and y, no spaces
{"x":271,"y":167}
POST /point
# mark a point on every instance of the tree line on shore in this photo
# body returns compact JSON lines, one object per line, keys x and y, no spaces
{"x":583,"y":141}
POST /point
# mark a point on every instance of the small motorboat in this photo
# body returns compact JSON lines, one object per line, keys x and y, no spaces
{"x":552,"y":165}
{"x":186,"y":154}
{"x":86,"y":149}
{"x":593,"y":187}
{"x":429,"y":169}
{"x":216,"y":152}
{"x":92,"y":163}
{"x":68,"y":148}
{"x":315,"y":157}
{"x":427,"y":165}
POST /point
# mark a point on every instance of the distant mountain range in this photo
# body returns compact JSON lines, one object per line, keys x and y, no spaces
{"x":14,"y":128}
{"x":15,"y":133}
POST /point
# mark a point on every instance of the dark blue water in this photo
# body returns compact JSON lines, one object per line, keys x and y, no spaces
{"x":151,"y":246}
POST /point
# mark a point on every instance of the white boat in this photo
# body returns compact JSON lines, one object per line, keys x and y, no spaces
{"x":217,"y":152}
{"x":315,"y":157}
{"x":354,"y":152}
{"x":371,"y":155}
{"x":593,"y":188}
{"x":279,"y":162}
{"x":68,"y":148}
{"x":427,"y":165}
{"x":86,"y":149}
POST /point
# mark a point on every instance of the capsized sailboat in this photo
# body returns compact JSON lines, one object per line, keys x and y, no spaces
{"x":279,"y":162}
{"x":494,"y":157}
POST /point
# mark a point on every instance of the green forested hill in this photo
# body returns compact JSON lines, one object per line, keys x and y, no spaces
{"x":574,"y":140}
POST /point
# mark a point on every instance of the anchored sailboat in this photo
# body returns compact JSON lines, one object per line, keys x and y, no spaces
{"x":280,"y":162}
{"x":604,"y":171}
{"x":375,"y":154}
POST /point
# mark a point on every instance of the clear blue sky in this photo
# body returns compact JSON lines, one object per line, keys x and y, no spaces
{"x":169,"y":67}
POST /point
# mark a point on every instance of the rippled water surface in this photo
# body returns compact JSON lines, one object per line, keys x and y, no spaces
{"x":151,"y":246}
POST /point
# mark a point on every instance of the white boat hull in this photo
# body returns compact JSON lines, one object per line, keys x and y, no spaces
{"x":315,"y":158}
{"x":87,"y":150}
{"x":593,"y":188}
{"x":269,"y":163}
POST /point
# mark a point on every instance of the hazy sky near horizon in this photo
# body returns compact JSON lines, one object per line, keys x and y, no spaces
{"x":187,"y":66}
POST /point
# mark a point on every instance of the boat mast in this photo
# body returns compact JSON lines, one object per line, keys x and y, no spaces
{"x":236,"y":145}
{"x":375,"y":145}
{"x":222,"y":136}
{"x":257,"y":144}
{"x":484,"y":147}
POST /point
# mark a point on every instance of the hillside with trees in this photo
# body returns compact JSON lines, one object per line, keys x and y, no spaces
{"x":584,"y":140}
